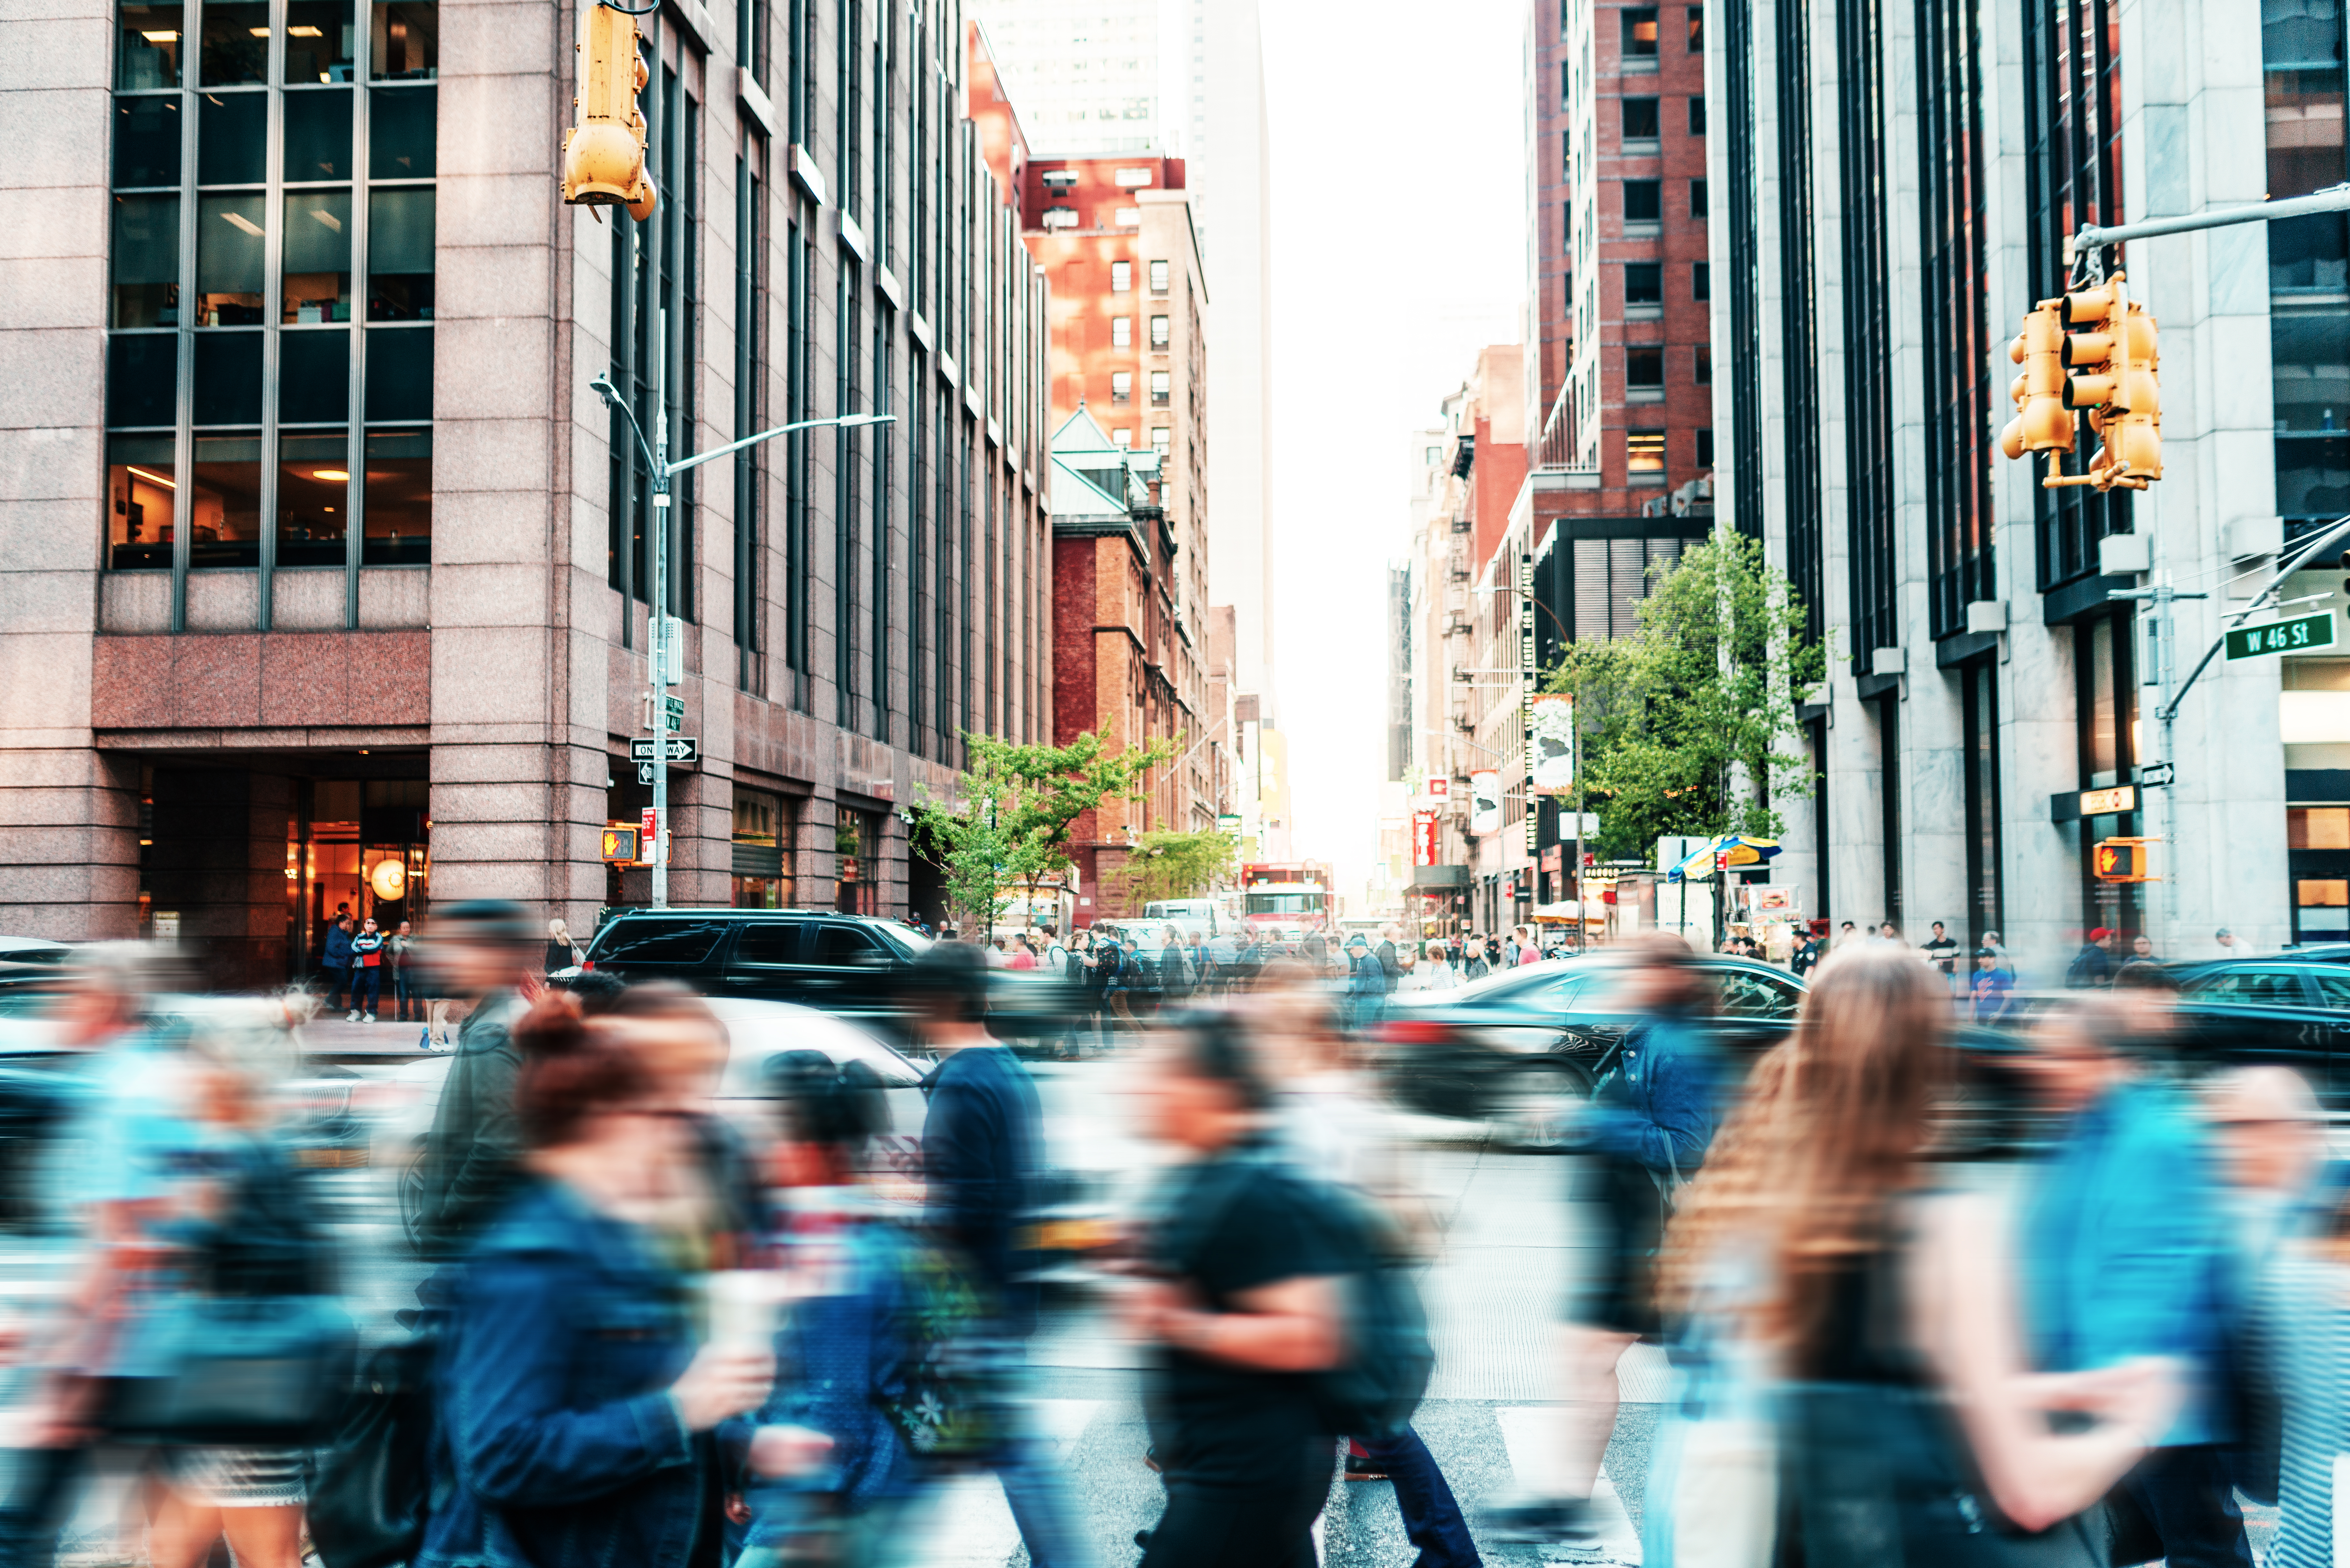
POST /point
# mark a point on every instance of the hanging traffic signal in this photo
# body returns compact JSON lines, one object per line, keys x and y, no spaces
{"x":2042,"y":422}
{"x":604,"y":154}
{"x":2134,"y":435}
{"x":2120,"y":860}
{"x":2110,"y":363}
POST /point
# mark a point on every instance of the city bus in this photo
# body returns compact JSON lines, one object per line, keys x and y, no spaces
{"x":1284,"y":901}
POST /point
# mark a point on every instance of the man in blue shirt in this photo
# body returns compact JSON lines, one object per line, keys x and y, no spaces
{"x":982,"y":1143}
{"x":2124,"y":1254}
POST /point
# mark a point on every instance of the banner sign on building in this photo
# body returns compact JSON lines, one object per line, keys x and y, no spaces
{"x":1529,"y":673}
{"x":1423,"y":838}
{"x":1550,"y":744}
{"x":1485,"y":801}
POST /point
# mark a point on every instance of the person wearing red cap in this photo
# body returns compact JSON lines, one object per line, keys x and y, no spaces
{"x":2093,"y":966}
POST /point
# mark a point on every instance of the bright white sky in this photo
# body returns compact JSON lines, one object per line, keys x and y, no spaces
{"x":1398,"y":250}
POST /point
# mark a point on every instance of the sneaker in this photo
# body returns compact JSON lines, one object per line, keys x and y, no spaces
{"x":1542,"y":1521}
{"x":368,"y":1019}
{"x":354,"y":1017}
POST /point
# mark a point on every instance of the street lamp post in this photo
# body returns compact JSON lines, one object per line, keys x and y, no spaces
{"x":663,"y":658}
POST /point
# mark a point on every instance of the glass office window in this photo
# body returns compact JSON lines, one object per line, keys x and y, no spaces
{"x":146,"y":260}
{"x":225,"y":510}
{"x":400,"y":253}
{"x":399,"y":498}
{"x":140,"y":495}
{"x":251,"y":491}
{"x":147,"y":48}
{"x":317,"y":258}
{"x":313,"y":498}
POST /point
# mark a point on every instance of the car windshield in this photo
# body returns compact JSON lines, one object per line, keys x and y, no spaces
{"x":643,"y":939}
{"x":906,"y":937}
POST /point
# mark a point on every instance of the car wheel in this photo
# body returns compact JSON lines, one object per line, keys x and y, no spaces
{"x":1537,"y":1104}
{"x":409,"y":1191}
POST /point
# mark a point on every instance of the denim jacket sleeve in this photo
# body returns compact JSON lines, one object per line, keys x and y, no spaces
{"x":1670,"y":1122}
{"x":515,"y":1442}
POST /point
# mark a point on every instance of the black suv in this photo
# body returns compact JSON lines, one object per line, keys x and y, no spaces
{"x":849,"y":965}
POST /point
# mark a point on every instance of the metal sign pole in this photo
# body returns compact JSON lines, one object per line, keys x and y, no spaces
{"x":657,"y":644}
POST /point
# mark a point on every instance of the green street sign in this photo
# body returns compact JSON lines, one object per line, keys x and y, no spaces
{"x":672,"y":714}
{"x":2282,"y":637}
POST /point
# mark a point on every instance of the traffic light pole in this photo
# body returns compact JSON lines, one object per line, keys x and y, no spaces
{"x":2090,"y":241}
{"x":660,"y":652}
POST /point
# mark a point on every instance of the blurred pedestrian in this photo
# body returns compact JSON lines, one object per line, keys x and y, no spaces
{"x":2141,"y":950}
{"x":1174,"y":971}
{"x":1941,"y":950}
{"x":1999,"y":952}
{"x":1992,"y":989}
{"x":482,"y":954}
{"x":982,"y":1153}
{"x":843,"y":1350}
{"x":1908,"y":1427}
{"x":367,"y":972}
{"x":1244,"y":1301}
{"x":1810,"y":951}
{"x":1207,"y":974}
{"x":1529,"y":949}
{"x":247,"y":1232}
{"x":1646,"y":1133}
{"x":1024,"y":957}
{"x":2093,"y":966}
{"x":335,"y":962}
{"x":1846,"y":936}
{"x":719,"y":1210}
{"x":2125,"y":1255}
{"x":398,"y":951}
{"x":1436,"y":970}
{"x":2304,"y":1322}
{"x":577,"y":1420}
{"x":2229,"y":944}
{"x":1475,"y":963}
{"x":562,"y":952}
{"x":1366,"y":985}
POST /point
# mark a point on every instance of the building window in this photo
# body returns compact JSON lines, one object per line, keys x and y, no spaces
{"x":1644,"y":368}
{"x":1121,"y":332}
{"x":1958,"y":349}
{"x":1701,"y":371}
{"x":764,"y":826}
{"x":1122,"y":277}
{"x":1700,"y":281}
{"x":1696,"y":199}
{"x":1644,"y":201}
{"x":1121,"y":386}
{"x":1160,"y":437}
{"x":265,"y":475}
{"x":1159,"y":277}
{"x":1705,"y":437}
{"x":1162,"y":385}
{"x":1979,"y":690}
{"x":1158,"y":333}
{"x":1697,"y":29}
{"x":1644,"y":452}
{"x":1867,"y":331}
{"x":1644,"y":283}
{"x":1640,"y":119}
{"x":1122,"y":438}
{"x":1639,"y":32}
{"x":1799,"y":383}
{"x":1697,"y":116}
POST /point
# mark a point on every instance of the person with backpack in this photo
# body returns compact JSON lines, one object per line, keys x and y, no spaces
{"x":838,"y":1473}
{"x":1245,"y":1303}
{"x":1332,"y":1121}
{"x":983,"y":1143}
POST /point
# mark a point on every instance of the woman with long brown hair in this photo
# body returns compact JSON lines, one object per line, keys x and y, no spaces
{"x":1913,"y":1430}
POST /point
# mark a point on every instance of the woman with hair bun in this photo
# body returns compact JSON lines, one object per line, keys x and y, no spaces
{"x":577,"y":1420}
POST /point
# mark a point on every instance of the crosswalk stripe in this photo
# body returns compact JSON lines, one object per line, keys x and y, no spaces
{"x":1531,"y":1434}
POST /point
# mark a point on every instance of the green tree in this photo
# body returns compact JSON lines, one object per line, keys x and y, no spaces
{"x":1688,"y":725}
{"x":1170,"y":864}
{"x":1015,"y":807}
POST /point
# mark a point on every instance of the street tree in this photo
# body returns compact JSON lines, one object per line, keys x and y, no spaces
{"x":1165,"y":864}
{"x":1688,"y":725}
{"x":1016,"y":806}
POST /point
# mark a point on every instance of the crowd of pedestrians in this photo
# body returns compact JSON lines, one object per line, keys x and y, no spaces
{"x":648,"y":1332}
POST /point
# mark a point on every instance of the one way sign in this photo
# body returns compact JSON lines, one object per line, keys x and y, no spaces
{"x":681,"y":749}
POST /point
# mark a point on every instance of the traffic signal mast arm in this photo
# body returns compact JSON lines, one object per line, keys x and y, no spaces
{"x":2332,"y":199}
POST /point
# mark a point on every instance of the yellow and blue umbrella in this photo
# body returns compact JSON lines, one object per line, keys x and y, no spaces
{"x":1728,"y":852}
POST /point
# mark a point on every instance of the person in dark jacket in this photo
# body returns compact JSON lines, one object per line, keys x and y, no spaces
{"x":2093,"y":967}
{"x":577,"y":1421}
{"x":335,"y":962}
{"x":485,"y":950}
{"x":982,"y":1144}
{"x":1646,"y":1132}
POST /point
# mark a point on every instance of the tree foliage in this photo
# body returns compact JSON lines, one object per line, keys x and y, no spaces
{"x":1688,"y":725}
{"x":1015,"y":806}
{"x":1170,"y":864}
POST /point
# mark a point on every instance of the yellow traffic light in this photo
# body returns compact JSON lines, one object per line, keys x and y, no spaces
{"x":2119,"y":860}
{"x":2133,"y":436}
{"x":2041,"y":422}
{"x":604,"y":154}
{"x":2111,"y":362}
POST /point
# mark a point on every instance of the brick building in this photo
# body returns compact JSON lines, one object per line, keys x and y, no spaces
{"x":327,"y":578}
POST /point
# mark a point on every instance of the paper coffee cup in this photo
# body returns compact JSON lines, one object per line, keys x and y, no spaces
{"x":743,"y":1307}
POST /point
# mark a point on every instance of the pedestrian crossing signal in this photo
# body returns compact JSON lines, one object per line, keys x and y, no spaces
{"x":621,"y":845}
{"x":2119,"y":860}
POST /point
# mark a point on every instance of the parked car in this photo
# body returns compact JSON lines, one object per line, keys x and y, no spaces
{"x":852,"y":966}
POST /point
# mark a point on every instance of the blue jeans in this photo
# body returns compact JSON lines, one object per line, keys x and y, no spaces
{"x":365,"y":983}
{"x":404,"y":993}
{"x":1033,"y":1483}
{"x":1432,"y":1519}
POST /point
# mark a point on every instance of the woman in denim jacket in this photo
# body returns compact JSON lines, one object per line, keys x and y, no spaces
{"x":578,"y":1423}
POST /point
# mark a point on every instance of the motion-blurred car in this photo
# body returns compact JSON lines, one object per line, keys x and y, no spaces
{"x":2291,"y":1010}
{"x":1512,"y":1048}
{"x":851,"y":966}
